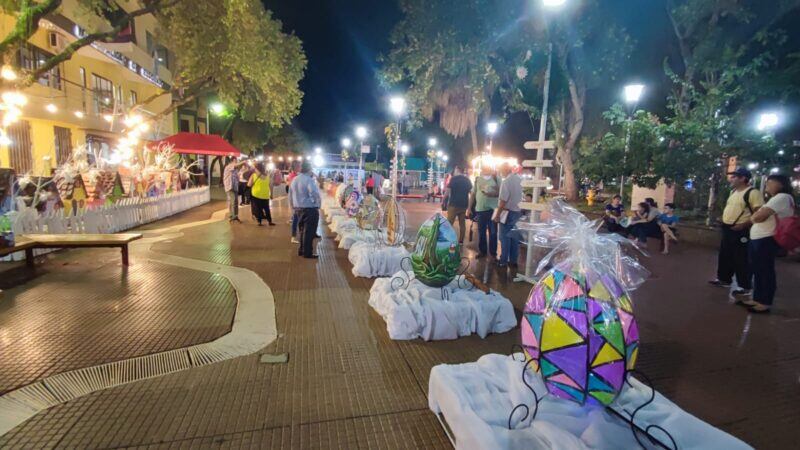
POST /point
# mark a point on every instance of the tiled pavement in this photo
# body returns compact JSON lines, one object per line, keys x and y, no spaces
{"x":347,"y":385}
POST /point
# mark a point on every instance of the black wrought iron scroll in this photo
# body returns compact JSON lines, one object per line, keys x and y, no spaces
{"x":636,"y":429}
{"x":404,"y":280}
{"x":535,"y":395}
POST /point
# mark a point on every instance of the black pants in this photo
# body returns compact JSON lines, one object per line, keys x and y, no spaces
{"x":733,"y":257}
{"x":307,"y":228}
{"x":370,"y":190}
{"x":261,"y":210}
{"x":762,"y":261}
{"x":244,"y":193}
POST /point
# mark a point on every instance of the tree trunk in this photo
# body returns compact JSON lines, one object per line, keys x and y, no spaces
{"x":712,"y":200}
{"x":570,"y":184}
{"x":474,"y":134}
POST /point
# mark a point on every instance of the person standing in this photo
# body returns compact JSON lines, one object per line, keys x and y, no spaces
{"x":483,"y":201}
{"x":261,"y":188}
{"x":763,"y":248}
{"x":230,"y":181}
{"x":733,"y":249}
{"x":295,"y":218}
{"x":458,"y":201}
{"x":370,"y":184}
{"x":507,"y":214}
{"x":306,"y":200}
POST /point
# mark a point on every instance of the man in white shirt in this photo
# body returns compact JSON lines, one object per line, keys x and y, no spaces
{"x":508,"y":213}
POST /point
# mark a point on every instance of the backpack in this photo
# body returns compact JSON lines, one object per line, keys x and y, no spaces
{"x":787,"y":232}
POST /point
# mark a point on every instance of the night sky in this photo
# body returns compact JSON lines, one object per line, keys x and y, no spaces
{"x":343,"y":38}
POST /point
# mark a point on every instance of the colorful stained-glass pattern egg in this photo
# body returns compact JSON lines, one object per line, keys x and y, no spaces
{"x":353,"y":203}
{"x":343,"y":193}
{"x":437,"y":256}
{"x":369,"y":213}
{"x":580,"y":329}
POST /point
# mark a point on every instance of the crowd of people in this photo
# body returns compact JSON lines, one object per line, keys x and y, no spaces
{"x":749,"y":225}
{"x":493,"y":202}
{"x":250,"y":183}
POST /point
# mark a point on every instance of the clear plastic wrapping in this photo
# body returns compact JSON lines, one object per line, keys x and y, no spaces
{"x":578,"y":325}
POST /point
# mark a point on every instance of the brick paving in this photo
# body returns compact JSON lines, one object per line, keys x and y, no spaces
{"x":84,"y":309}
{"x":347,"y":385}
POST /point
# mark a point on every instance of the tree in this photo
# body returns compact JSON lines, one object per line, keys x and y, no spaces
{"x":287,"y":139}
{"x":109,"y":17}
{"x":442,"y":50}
{"x":236,"y":49}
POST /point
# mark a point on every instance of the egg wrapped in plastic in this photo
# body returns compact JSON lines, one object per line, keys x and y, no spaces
{"x":437,"y":256}
{"x":579,"y":327}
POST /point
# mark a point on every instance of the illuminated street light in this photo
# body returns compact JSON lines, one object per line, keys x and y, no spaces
{"x":318,"y":150}
{"x":217,"y":108}
{"x":405,"y":148}
{"x":445,"y":158}
{"x":397,"y":105}
{"x":491,"y":128}
{"x":361,"y":132}
{"x":633,"y":93}
{"x":768,"y":121}
{"x":319,"y":161}
{"x":432,"y":142}
{"x":553,"y":3}
{"x":346,"y":143}
{"x":439,"y":154}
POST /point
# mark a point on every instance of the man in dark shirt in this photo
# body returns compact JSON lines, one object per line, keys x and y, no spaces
{"x":458,"y":201}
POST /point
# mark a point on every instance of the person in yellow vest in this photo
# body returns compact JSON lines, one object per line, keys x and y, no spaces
{"x":260,"y":184}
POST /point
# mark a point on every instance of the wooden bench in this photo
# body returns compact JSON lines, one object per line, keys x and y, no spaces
{"x":29,"y":242}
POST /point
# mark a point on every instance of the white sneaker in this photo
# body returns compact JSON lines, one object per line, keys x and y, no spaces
{"x":295,"y":241}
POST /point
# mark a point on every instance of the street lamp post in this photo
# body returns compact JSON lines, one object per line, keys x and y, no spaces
{"x":767,"y":123}
{"x":491,"y":129}
{"x":535,"y":215}
{"x":398,"y":108}
{"x":633,"y":93}
{"x":361,"y":134}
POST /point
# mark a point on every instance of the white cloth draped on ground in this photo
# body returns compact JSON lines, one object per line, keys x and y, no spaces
{"x":340,"y":224}
{"x":351,"y":236}
{"x":415,"y":310}
{"x":370,"y":260}
{"x":477,"y":398}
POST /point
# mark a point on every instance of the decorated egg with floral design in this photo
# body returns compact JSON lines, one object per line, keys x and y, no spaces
{"x":437,"y":256}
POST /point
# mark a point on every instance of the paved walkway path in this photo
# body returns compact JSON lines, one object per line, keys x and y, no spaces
{"x":347,"y":385}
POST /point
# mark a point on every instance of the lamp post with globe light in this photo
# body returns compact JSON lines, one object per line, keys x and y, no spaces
{"x":361,"y":134}
{"x":633,"y":93}
{"x":491,"y":129}
{"x":346,"y":144}
{"x":768,"y":122}
{"x":398,"y":107}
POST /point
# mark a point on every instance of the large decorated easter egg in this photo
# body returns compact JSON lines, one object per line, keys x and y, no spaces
{"x":393,"y":223}
{"x":436,"y":257}
{"x":343,"y":193}
{"x":353,"y":203}
{"x":580,"y":329}
{"x":369,"y":213}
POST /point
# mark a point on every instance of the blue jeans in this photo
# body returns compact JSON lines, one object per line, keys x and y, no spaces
{"x":295,"y":218}
{"x":485,"y":225}
{"x":762,"y":253}
{"x":509,"y":240}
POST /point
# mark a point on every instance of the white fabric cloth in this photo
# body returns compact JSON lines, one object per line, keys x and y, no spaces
{"x":418,"y":311}
{"x":783,"y":205}
{"x":370,"y":261}
{"x":350,"y":236}
{"x":477,"y":398}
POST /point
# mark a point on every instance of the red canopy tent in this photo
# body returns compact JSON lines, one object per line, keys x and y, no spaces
{"x":199,"y":144}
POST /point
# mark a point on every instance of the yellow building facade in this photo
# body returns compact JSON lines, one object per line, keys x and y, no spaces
{"x":83,"y":100}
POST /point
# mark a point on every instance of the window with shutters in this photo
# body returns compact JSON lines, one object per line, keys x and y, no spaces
{"x":63,"y":144}
{"x":20,"y":147}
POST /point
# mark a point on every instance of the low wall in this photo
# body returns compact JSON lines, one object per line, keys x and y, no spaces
{"x":125,"y":214}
